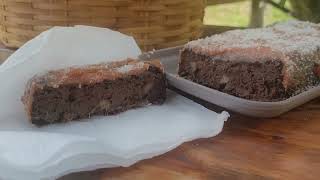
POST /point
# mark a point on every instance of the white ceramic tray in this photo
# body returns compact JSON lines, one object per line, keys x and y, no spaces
{"x":169,"y":57}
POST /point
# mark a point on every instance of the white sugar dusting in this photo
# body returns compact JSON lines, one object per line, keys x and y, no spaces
{"x":129,"y":67}
{"x":287,"y":37}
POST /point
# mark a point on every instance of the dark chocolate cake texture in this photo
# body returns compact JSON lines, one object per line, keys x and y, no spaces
{"x":80,"y":92}
{"x":266,"y":64}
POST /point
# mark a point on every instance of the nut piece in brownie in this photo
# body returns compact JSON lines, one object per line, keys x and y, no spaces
{"x":80,"y":92}
{"x":266,"y":64}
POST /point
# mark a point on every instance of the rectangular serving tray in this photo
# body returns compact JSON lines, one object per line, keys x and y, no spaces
{"x":170,"y":57}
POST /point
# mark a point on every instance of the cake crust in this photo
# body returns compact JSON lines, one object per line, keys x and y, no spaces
{"x":102,"y":89}
{"x":292,"y":46}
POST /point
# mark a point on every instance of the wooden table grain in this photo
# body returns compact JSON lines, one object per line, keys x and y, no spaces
{"x":286,"y":147}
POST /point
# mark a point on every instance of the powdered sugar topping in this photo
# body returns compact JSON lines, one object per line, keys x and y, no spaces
{"x":129,"y":67}
{"x":287,"y":37}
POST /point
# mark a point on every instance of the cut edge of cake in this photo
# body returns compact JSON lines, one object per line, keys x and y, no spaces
{"x":295,"y":44}
{"x":64,"y":86}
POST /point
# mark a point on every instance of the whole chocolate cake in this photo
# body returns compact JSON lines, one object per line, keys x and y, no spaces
{"x":266,"y":64}
{"x":103,"y":89}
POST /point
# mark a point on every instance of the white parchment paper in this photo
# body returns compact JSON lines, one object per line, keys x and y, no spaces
{"x":28,"y":152}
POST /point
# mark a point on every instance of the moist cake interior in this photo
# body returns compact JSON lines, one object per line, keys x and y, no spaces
{"x":257,"y":81}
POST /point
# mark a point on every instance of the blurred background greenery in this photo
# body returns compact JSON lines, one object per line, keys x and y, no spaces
{"x":238,"y":13}
{"x":307,"y":9}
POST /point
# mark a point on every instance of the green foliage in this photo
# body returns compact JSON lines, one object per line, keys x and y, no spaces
{"x":238,"y":14}
{"x":306,"y":9}
{"x":235,"y":14}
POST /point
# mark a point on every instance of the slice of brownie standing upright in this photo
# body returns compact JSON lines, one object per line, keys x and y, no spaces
{"x":80,"y":92}
{"x":266,"y":64}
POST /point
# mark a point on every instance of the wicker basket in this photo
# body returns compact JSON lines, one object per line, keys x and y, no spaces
{"x":154,"y":23}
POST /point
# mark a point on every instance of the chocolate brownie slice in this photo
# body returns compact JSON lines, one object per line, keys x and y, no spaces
{"x":80,"y":92}
{"x":266,"y":64}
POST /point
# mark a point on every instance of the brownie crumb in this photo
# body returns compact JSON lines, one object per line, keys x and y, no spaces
{"x":263,"y":64}
{"x":104,"y":89}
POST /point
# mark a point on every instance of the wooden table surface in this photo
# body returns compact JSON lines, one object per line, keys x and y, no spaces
{"x":286,"y":147}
